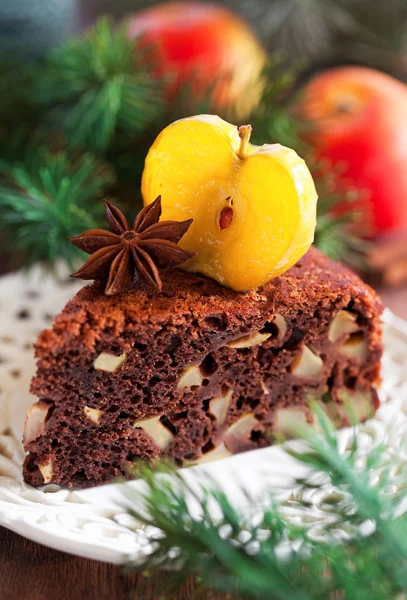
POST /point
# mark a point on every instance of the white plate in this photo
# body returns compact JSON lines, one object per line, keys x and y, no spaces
{"x":93,"y":523}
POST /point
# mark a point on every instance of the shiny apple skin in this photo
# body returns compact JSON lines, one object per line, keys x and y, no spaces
{"x":358,"y":127}
{"x":202,"y":47}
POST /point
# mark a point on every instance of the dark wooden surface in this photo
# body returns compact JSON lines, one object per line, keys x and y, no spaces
{"x":29,"y":571}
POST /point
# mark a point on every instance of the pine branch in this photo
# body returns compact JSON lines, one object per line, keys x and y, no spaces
{"x":327,"y":32}
{"x":16,"y":80}
{"x":274,"y":119}
{"x":95,"y":88}
{"x":303,"y":28}
{"x":269,"y":557}
{"x":91,"y":93}
{"x":19,"y":116}
{"x":48,"y":198}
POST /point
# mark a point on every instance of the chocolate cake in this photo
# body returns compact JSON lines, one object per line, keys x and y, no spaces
{"x":197,"y":372}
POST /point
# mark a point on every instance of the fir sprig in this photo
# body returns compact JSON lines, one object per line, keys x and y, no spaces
{"x":274,"y":118}
{"x":91,"y":93}
{"x":96,"y":87}
{"x":19,"y":116}
{"x":322,"y":30}
{"x":48,"y":198}
{"x":268,"y":557}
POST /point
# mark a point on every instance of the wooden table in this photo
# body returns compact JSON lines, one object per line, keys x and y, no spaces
{"x":29,"y":571}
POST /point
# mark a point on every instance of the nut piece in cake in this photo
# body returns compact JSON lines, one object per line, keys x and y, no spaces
{"x":195,"y":318}
{"x":92,"y":414}
{"x":35,"y":421}
{"x":331,"y":409}
{"x":216,"y":454}
{"x":344,"y":323}
{"x":238,"y":434}
{"x":157,"y":431}
{"x":355,"y":403}
{"x":355,"y":347}
{"x":281,"y":325}
{"x":218,"y":407}
{"x":307,"y":364}
{"x":287,"y":421}
{"x":190,"y":377}
{"x":108,"y":362}
{"x":247,"y":341}
{"x":47,"y":471}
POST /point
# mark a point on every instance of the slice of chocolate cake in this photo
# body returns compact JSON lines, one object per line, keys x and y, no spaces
{"x":197,"y":371}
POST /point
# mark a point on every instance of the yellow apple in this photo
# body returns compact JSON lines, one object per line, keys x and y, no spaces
{"x":253,"y":207}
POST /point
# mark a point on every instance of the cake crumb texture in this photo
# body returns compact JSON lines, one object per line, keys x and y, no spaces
{"x":198,"y":369}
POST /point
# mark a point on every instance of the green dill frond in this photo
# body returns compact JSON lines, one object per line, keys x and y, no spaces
{"x":48,"y":198}
{"x":95,"y":86}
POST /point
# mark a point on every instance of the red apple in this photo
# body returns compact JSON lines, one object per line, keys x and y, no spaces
{"x":205,"y":47}
{"x":359,"y":126}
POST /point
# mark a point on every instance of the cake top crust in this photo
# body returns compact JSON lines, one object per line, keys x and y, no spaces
{"x":314,"y":280}
{"x":315,"y":276}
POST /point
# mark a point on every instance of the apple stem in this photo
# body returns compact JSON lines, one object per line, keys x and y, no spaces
{"x":244,"y":134}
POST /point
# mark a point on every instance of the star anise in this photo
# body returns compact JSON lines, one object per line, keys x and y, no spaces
{"x":123,"y":255}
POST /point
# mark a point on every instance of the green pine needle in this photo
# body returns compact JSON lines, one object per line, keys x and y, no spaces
{"x":16,"y":81}
{"x":274,"y":120}
{"x":319,"y":30}
{"x":269,"y":557}
{"x":49,"y":198}
{"x":91,"y":93}
{"x":96,"y":88}
{"x":19,"y":116}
